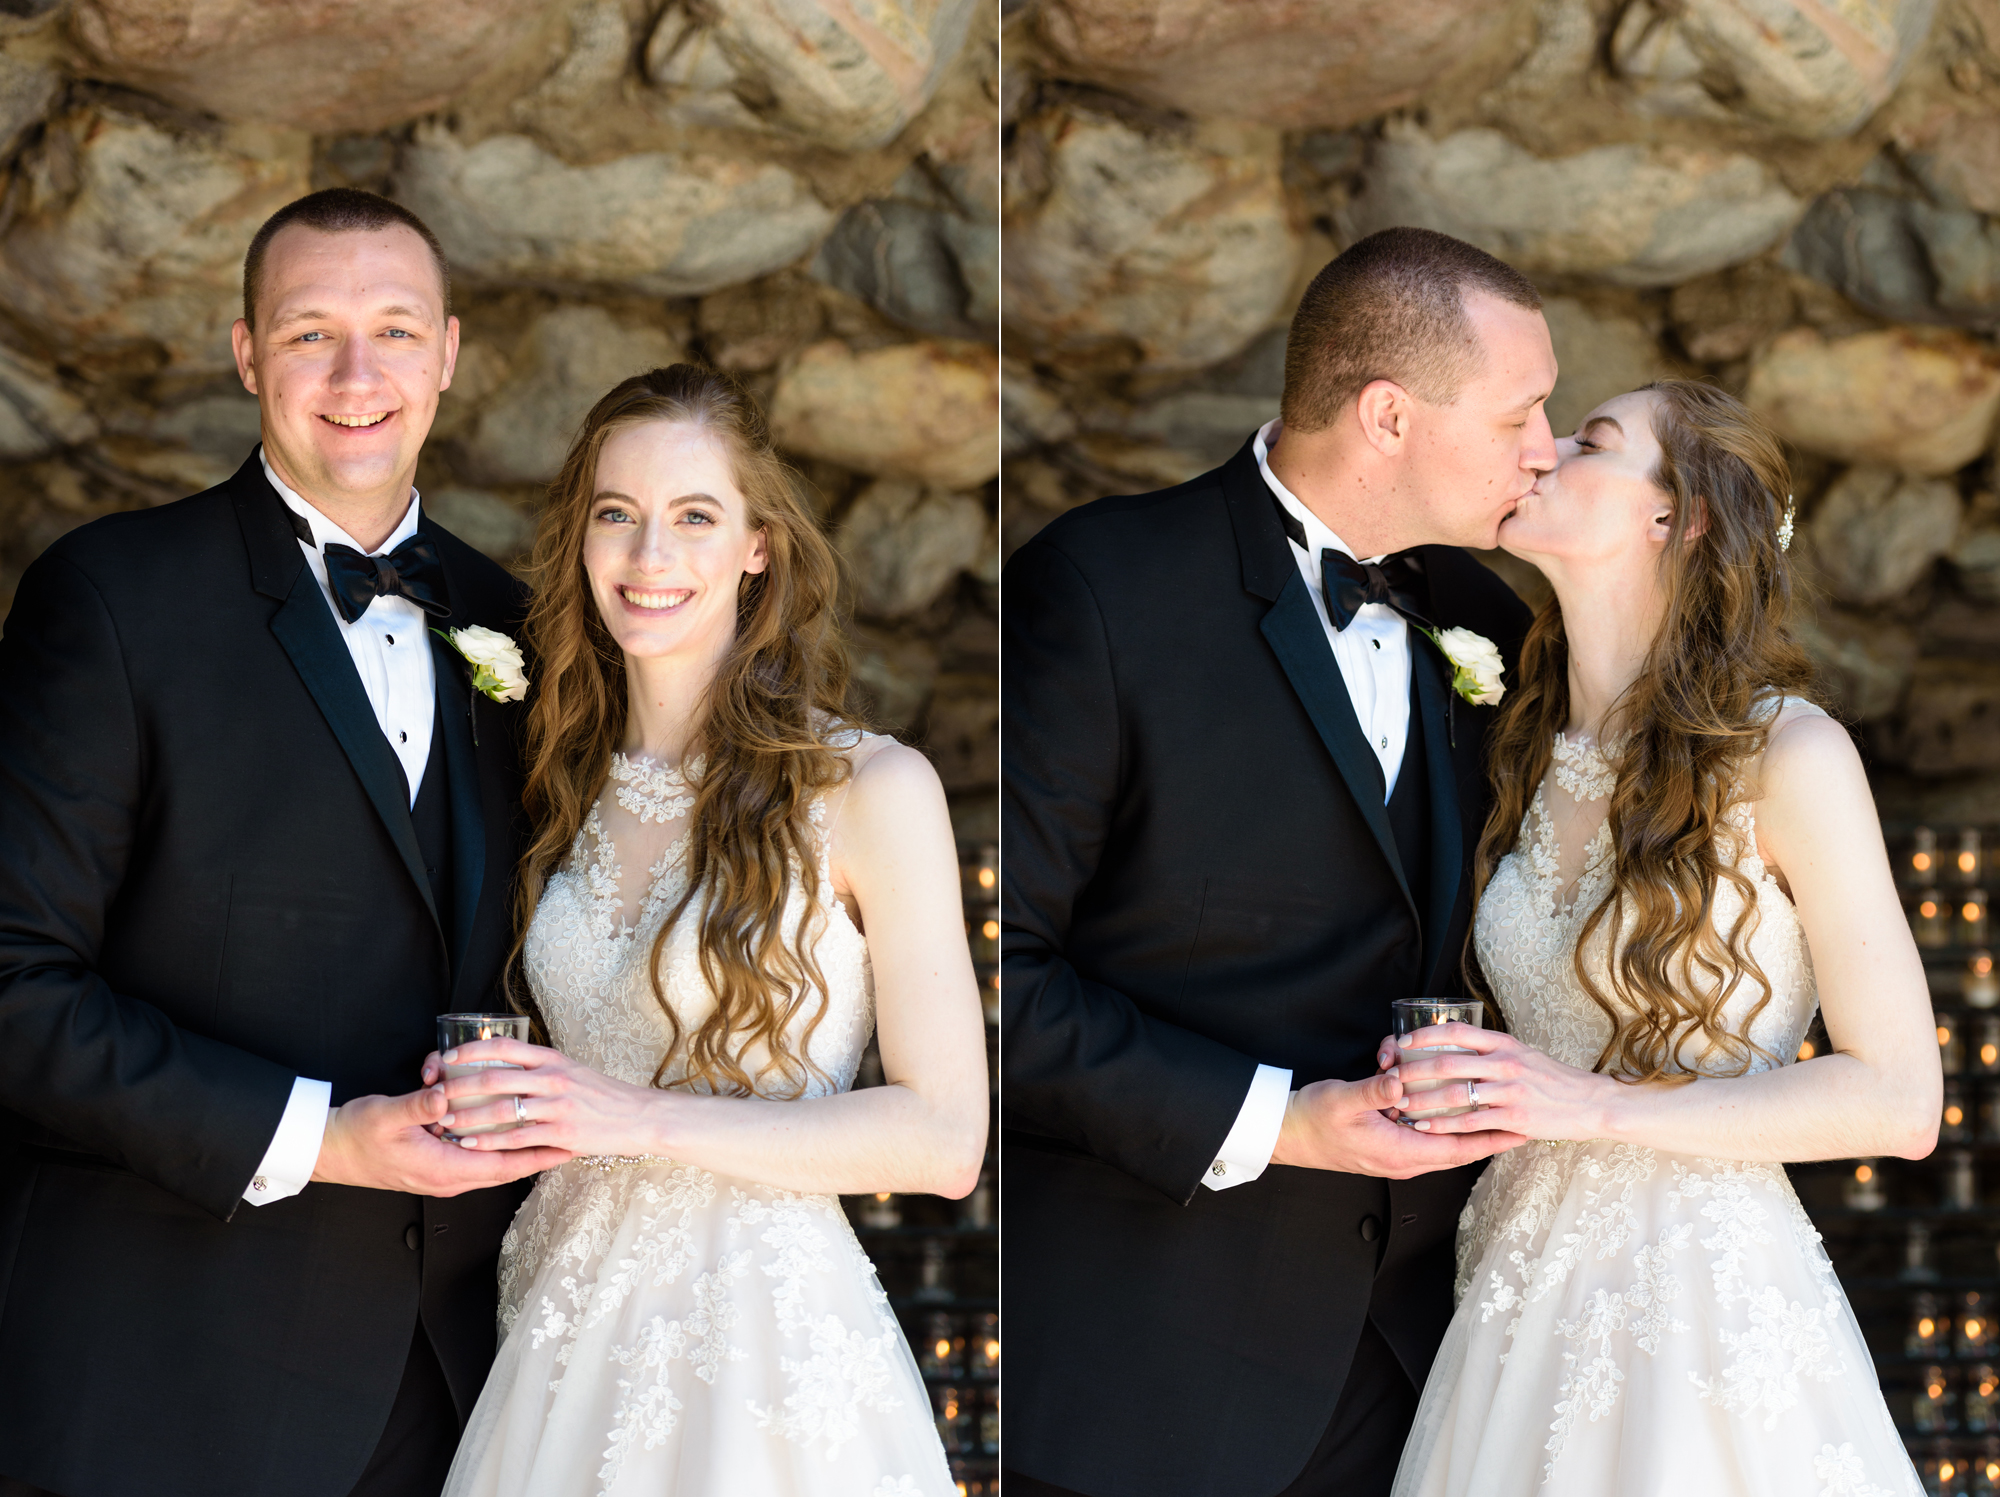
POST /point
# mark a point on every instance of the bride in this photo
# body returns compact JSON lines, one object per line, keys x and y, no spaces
{"x":1682,"y":858}
{"x":727,"y":888}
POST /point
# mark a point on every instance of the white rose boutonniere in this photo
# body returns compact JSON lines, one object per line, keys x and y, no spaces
{"x":1475,"y":665}
{"x":498,"y":670}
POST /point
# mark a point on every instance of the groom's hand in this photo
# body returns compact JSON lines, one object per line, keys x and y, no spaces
{"x":1338,"y":1125}
{"x":384,"y":1143}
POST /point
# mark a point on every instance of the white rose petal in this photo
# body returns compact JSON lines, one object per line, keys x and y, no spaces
{"x":1479,"y":657}
{"x":494,"y":651}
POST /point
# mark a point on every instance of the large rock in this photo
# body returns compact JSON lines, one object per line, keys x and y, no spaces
{"x":132,"y":231}
{"x":1721,"y":318}
{"x":1801,"y":67}
{"x":1598,"y":355}
{"x":1289,"y":63}
{"x":895,"y":674}
{"x":1634,"y":215}
{"x":484,"y":521}
{"x":846,"y":76}
{"x":1975,"y":560}
{"x":26,"y":91}
{"x":320,"y":65}
{"x":1866,"y":663}
{"x":1958,"y":160}
{"x":1919,"y":399}
{"x":758,"y":325}
{"x":1877,"y":531}
{"x":1952,"y":721}
{"x":927,"y":411}
{"x":1165,"y":248}
{"x":921,"y":257}
{"x":37,"y":414}
{"x":1903,"y":258}
{"x":567,"y":360}
{"x":904,"y":544}
{"x":665,"y":224}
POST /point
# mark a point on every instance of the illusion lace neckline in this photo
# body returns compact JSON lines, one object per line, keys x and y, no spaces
{"x":653,"y":791}
{"x":1582,"y":769}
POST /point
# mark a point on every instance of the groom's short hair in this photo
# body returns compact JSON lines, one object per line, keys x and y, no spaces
{"x":338,"y":210}
{"x":1391,"y":306}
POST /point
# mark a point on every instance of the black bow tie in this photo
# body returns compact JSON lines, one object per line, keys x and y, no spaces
{"x":410,"y":571}
{"x":1397,"y":580}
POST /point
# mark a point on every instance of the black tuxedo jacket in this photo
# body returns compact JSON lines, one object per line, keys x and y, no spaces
{"x":1199,"y":876}
{"x":210,"y":884}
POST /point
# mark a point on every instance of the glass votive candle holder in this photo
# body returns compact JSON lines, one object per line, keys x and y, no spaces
{"x":1951,"y":1044}
{"x":1917,"y":1267}
{"x":1970,"y":863}
{"x":941,"y":1353}
{"x":1985,"y":1465}
{"x":1927,"y":919}
{"x":1955,"y":1126}
{"x":1862,"y":1190}
{"x":983,"y":1348}
{"x":1980,"y":985}
{"x":1972,"y":918}
{"x":1960,"y":1183}
{"x":1983,"y":1045}
{"x":1979,"y":1403}
{"x":1931,"y":1406}
{"x":931,"y":1279}
{"x":955,"y":1419}
{"x":1929,"y":1335}
{"x":1973,"y":1335}
{"x":454,"y":1030}
{"x":1944,"y":1473}
{"x":1920,"y":867}
{"x":989,"y":1422}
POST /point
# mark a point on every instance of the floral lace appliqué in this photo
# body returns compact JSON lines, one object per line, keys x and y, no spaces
{"x":654,"y":792}
{"x":1581,"y":768}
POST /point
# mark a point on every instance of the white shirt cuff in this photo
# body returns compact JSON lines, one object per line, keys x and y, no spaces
{"x":288,"y":1164}
{"x":1246,"y":1152}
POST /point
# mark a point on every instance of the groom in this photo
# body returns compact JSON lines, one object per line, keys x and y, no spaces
{"x":259,"y":832}
{"x":1239,"y":813}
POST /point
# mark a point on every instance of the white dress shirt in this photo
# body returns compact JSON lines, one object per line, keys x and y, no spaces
{"x":1373,"y":653}
{"x":390,"y":644}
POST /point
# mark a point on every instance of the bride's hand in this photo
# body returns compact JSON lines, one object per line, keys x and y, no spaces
{"x":566,"y":1104}
{"x":1514,"y":1086}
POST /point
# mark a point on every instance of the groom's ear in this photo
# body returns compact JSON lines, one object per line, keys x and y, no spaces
{"x":242,"y":343}
{"x":1383,"y":407}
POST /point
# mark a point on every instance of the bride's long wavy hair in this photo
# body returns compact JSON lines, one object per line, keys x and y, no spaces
{"x":779,"y":699}
{"x":1685,"y":729}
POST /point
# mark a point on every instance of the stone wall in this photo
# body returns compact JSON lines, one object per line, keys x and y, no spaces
{"x":801,"y":192}
{"x":1800,"y":201}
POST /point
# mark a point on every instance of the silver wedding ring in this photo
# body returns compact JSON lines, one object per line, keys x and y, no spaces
{"x":1472,"y":1092}
{"x":520,"y":1111}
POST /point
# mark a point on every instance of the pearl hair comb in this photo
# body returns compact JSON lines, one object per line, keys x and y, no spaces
{"x":1785,"y":528}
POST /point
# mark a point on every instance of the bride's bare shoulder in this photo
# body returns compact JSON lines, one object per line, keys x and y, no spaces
{"x":1811,"y":783}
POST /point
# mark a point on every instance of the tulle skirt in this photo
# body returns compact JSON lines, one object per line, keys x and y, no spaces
{"x":677,"y":1333}
{"x":1643,"y":1323}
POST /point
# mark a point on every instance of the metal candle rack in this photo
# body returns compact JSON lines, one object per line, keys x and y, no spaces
{"x":1917,"y":1242}
{"x":939,"y":1260}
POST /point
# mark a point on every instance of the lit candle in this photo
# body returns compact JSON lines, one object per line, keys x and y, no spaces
{"x":1970,"y":861}
{"x":1864,"y":1187}
{"x":1927,"y":920}
{"x":1972,"y":918}
{"x":1923,"y":864}
{"x":1980,"y":986}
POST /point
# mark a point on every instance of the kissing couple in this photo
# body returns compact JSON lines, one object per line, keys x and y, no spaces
{"x":287,"y":772}
{"x":1278,"y":754}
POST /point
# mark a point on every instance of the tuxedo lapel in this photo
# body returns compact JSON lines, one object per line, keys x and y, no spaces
{"x":1434,"y":741}
{"x":1299,"y":640}
{"x":304,"y":626}
{"x":468,"y":818}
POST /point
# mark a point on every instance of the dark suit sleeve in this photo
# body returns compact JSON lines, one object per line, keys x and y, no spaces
{"x":107,"y":1071}
{"x":1083,"y":1063}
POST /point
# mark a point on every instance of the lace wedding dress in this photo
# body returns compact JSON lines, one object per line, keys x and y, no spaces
{"x":1632,"y":1321}
{"x":667,"y":1330}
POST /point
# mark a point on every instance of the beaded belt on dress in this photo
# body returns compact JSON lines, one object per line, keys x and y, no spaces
{"x":606,"y":1163}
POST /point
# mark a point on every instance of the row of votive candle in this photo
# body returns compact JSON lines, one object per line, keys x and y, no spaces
{"x":1950,"y":1325}
{"x":1956,"y":919}
{"x":883,"y":1211}
{"x":1958,"y":1183}
{"x":968,"y":1418}
{"x":1927,"y":866}
{"x":1969,"y":1044}
{"x":1950,"y":1473}
{"x":1945,"y":1403}
{"x":960,"y":1346}
{"x":1971,"y":1114}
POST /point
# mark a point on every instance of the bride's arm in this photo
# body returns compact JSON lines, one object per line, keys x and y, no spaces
{"x":1880,"y":1088}
{"x":924,"y":1131}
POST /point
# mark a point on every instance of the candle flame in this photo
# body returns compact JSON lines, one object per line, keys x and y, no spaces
{"x":1921,"y":862}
